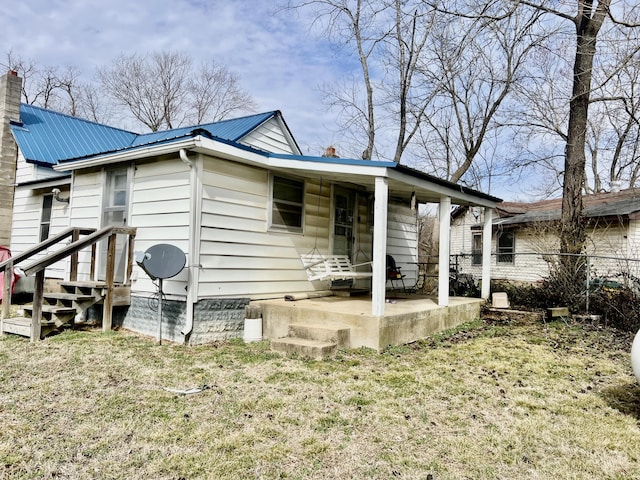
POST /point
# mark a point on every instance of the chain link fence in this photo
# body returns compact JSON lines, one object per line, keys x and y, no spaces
{"x":595,"y":278}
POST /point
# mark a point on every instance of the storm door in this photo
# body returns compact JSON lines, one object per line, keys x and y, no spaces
{"x":115,"y":208}
{"x":343,"y":221}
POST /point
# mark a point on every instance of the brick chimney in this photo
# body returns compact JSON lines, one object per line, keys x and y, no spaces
{"x":330,"y":152}
{"x":10,"y":95}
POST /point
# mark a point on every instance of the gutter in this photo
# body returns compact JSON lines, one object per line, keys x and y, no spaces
{"x":128,"y":155}
{"x":194,"y":253}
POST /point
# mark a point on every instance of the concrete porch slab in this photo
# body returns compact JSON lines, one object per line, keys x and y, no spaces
{"x":410,"y":318}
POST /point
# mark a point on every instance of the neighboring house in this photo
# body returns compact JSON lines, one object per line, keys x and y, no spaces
{"x":236,"y":196}
{"x":522,"y":231}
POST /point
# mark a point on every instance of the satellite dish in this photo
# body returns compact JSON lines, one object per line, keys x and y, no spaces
{"x":159,"y":262}
{"x":163,"y":261}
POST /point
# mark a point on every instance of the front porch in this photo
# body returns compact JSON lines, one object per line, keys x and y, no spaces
{"x":408,"y":318}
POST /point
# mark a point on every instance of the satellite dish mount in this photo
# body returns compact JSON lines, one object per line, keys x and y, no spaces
{"x":159,"y":262}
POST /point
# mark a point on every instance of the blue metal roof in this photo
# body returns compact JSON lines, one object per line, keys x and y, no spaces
{"x":46,"y":137}
{"x":231,"y":130}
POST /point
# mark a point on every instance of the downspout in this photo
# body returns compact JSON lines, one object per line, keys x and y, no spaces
{"x":194,"y":257}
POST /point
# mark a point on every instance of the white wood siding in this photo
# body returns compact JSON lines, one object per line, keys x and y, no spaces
{"x":25,"y":232}
{"x":270,"y":137}
{"x":461,"y":235}
{"x":238,"y":254}
{"x":402,"y":239}
{"x":27,"y":172}
{"x":85,"y":211}
{"x":614,"y":240}
{"x":159,"y":209}
{"x":633,"y":239}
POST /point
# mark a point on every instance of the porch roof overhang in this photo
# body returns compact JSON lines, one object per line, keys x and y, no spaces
{"x":49,"y":182}
{"x":403,"y":181}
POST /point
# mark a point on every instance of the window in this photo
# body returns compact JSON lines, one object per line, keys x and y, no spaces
{"x":115,"y":201}
{"x":506,"y":247}
{"x":476,"y":249}
{"x":45,"y":218}
{"x":287,"y":204}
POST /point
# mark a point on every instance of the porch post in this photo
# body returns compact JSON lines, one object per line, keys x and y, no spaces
{"x":486,"y":253}
{"x":444,"y":214}
{"x":379,"y":280}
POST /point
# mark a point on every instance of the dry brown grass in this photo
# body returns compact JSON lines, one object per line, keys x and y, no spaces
{"x":491,"y":401}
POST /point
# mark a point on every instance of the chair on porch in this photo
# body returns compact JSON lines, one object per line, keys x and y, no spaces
{"x":394,"y":274}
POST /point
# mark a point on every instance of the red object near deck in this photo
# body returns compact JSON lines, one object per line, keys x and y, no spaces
{"x":5,"y":254}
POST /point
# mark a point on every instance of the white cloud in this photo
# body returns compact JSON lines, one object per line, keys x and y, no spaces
{"x":278,"y":61}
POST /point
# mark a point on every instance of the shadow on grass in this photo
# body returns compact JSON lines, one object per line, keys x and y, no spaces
{"x":625,"y":398}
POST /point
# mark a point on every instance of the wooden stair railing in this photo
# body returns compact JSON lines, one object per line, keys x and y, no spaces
{"x":38,"y":267}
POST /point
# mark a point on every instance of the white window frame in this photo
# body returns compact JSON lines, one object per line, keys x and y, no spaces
{"x":44,"y":221}
{"x":286,"y":228}
{"x":476,"y":253}
{"x":502,"y":254}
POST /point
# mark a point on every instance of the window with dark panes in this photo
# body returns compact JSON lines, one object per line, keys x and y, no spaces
{"x":506,"y":247}
{"x":287,"y":204}
{"x":476,"y":249}
{"x":45,"y":218}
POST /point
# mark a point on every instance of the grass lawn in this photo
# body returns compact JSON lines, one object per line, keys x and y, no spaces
{"x":492,"y":400}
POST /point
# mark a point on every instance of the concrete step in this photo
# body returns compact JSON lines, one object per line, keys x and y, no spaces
{"x":304,"y":347}
{"x":321,"y":333}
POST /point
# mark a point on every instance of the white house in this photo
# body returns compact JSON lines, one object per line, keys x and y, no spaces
{"x":523,"y":231}
{"x":236,"y":196}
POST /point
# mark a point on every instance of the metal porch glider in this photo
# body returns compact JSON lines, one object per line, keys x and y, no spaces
{"x":332,"y":267}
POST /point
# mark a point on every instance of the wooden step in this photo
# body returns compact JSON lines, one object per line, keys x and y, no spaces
{"x":75,"y":297}
{"x":121,"y":293}
{"x":305,"y":347}
{"x":53,"y":309}
{"x":17,"y":326}
{"x":22,"y":326}
{"x":67,"y":283}
{"x":59,"y":315}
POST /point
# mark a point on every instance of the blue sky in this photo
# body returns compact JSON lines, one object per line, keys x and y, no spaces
{"x":279,"y":61}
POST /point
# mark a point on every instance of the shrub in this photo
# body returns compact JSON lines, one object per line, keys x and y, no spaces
{"x":617,"y":305}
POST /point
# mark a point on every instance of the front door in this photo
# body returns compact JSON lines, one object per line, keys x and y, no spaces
{"x":343,"y":221}
{"x":114,"y":212}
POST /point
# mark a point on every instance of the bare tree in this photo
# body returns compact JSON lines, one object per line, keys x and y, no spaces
{"x":586,"y":18}
{"x":358,"y":25}
{"x":434,"y":82}
{"x":26,"y":70}
{"x":149,"y":87}
{"x":479,"y":63}
{"x":411,"y":94}
{"x":388,"y":38}
{"x":215,"y":93}
{"x":158,"y":91}
{"x":59,"y":89}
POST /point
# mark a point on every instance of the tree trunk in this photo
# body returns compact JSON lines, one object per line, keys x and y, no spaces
{"x":572,"y":228}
